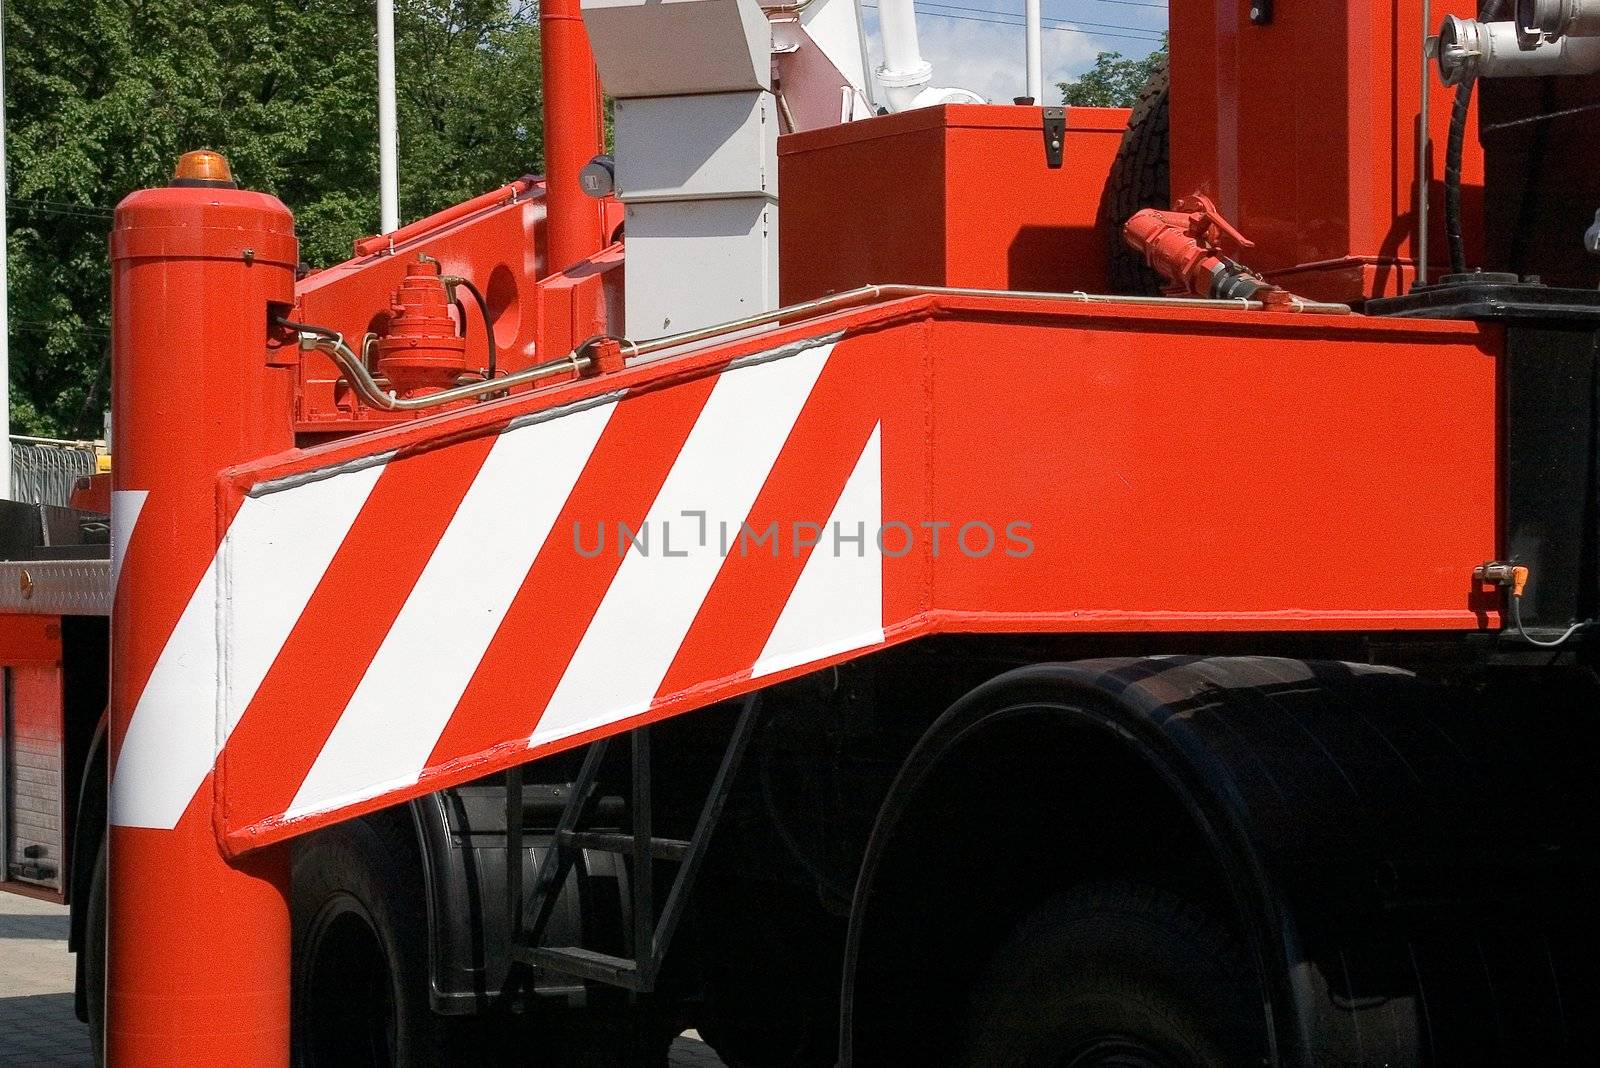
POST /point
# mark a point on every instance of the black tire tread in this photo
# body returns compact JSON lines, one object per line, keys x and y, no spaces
{"x":1140,"y":177}
{"x":1041,"y":958}
{"x":368,"y":858}
{"x":93,"y":958}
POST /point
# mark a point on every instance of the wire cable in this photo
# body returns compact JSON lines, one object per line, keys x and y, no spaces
{"x":921,"y":6}
{"x":999,"y":22}
{"x":454,"y":280}
{"x":1522,"y":632}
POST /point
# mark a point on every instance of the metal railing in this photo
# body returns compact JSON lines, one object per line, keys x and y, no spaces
{"x":44,"y":471}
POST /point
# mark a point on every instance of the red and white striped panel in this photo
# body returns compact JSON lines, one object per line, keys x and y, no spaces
{"x":369,"y":623}
{"x":405,"y":610}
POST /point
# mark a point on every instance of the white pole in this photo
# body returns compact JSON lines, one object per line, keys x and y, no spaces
{"x":1035,"y":54}
{"x":5,"y":310}
{"x":904,"y":73}
{"x":388,"y":150}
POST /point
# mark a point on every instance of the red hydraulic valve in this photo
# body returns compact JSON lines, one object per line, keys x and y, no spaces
{"x":421,"y":351}
{"x":1185,"y":248}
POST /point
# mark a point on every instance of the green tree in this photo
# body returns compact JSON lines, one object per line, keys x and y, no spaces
{"x":1114,"y":81}
{"x":101,"y":99}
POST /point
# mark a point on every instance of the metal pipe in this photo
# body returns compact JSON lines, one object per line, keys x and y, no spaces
{"x":331,"y":342}
{"x":1035,"y":59}
{"x":374,"y":395}
{"x":572,"y":134}
{"x":1470,"y":48}
{"x":1556,"y":19}
{"x":866,"y":294}
{"x":506,"y":194}
{"x":388,"y":139}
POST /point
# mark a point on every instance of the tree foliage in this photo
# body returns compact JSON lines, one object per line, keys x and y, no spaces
{"x":1114,"y":81}
{"x":101,"y":98}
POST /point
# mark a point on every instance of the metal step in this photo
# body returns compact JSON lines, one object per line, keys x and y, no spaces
{"x":660,"y":848}
{"x":585,"y":964}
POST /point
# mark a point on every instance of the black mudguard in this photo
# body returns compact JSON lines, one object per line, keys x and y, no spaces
{"x":1415,"y":864}
{"x":461,"y":835}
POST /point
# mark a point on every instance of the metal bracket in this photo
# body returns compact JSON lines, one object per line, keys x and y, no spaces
{"x":1055,"y":135}
{"x":650,"y":936}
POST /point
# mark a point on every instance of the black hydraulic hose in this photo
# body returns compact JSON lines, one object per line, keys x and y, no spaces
{"x":1455,"y":148}
{"x":483,"y":308}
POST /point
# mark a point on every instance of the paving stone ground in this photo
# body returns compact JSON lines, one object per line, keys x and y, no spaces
{"x":37,"y":1026}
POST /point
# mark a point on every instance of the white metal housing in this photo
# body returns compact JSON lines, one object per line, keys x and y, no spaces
{"x":696,"y":157}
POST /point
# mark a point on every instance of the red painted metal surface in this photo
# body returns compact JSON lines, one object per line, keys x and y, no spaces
{"x":33,"y":745}
{"x":1174,"y":470}
{"x":959,"y":195}
{"x":572,"y":133}
{"x":508,"y":193}
{"x":1303,"y":132}
{"x":420,"y":351}
{"x":92,"y":493}
{"x":198,"y":962}
{"x":1184,"y":246}
{"x":500,"y":247}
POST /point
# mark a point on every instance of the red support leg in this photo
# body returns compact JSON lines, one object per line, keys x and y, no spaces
{"x":198,"y":969}
{"x":572,"y":134}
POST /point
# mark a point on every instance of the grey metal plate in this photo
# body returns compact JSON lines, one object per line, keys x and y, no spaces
{"x":56,"y":587}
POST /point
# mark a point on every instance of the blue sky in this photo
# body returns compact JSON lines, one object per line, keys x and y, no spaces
{"x":971,"y":47}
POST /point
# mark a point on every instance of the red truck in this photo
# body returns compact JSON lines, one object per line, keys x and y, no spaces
{"x":999,"y":615}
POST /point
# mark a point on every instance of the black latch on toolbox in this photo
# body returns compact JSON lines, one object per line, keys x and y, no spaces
{"x":1055,"y":135}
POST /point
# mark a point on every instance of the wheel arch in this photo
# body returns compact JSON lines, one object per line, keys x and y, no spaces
{"x":1026,"y":724}
{"x":1321,"y":802}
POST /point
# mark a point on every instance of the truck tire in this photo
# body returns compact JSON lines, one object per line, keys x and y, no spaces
{"x":1141,"y":177}
{"x":94,"y":957}
{"x":1116,"y":974}
{"x":360,"y":959}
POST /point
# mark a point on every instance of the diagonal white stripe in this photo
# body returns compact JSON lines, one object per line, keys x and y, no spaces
{"x":405,"y":699}
{"x":125,"y":508}
{"x":837,"y":604}
{"x":271,"y":559}
{"x":644,"y":616}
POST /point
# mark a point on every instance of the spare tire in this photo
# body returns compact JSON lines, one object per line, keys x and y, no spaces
{"x":1141,"y":177}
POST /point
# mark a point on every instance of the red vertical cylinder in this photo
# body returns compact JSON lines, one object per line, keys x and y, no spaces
{"x":572,"y":134}
{"x":198,"y":962}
